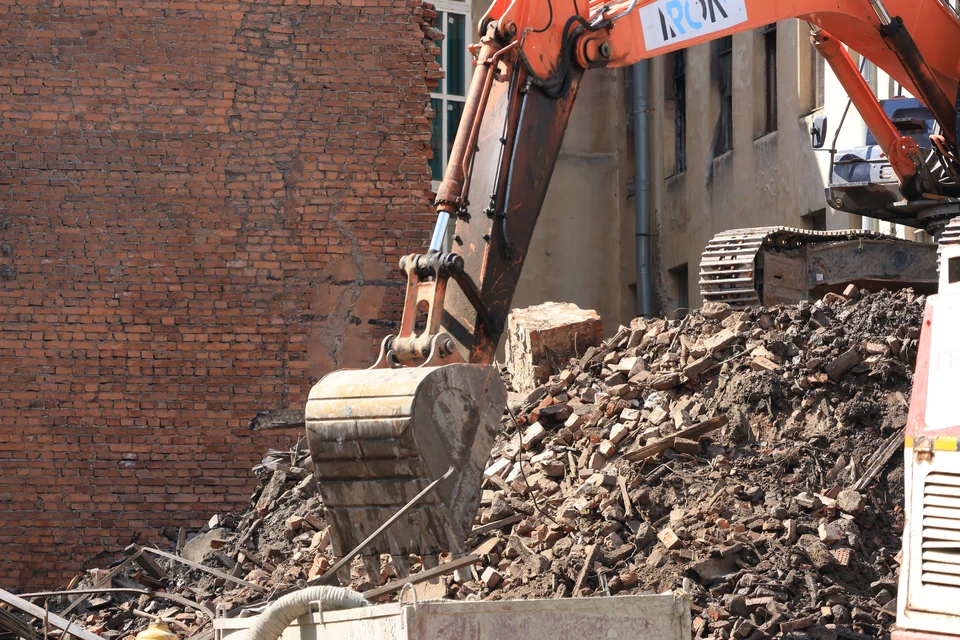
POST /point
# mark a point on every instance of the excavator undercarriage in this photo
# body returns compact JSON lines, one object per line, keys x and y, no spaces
{"x":774,"y":265}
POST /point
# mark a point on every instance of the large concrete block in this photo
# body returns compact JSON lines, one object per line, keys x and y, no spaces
{"x":541,"y":339}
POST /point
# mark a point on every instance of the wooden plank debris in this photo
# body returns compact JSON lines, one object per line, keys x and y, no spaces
{"x":103,"y":581}
{"x":16,"y":626}
{"x":211,"y":571}
{"x":499,"y":524}
{"x":593,"y":552}
{"x":691,"y":433}
{"x":144,"y":592}
{"x":146,"y":563}
{"x":53,"y":619}
{"x":423,"y":576}
{"x":883,"y":456}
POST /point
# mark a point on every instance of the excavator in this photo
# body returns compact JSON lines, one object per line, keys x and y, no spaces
{"x":434,"y":399}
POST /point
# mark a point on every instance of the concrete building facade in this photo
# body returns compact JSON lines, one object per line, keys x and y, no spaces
{"x":752,"y":163}
{"x":731,"y":147}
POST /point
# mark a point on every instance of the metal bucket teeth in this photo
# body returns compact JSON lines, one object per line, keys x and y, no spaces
{"x":379,"y":436}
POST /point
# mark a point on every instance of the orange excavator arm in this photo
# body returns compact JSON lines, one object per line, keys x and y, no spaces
{"x":622,"y":33}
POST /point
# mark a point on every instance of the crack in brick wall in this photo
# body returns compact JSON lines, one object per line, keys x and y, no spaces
{"x":202,"y":206}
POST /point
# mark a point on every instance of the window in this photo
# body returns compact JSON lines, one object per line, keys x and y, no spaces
{"x":814,"y":220}
{"x":769,"y":35}
{"x":675,"y":112}
{"x":680,"y":283}
{"x":723,"y":79}
{"x":811,"y":73}
{"x":819,"y":81}
{"x":453,"y":16}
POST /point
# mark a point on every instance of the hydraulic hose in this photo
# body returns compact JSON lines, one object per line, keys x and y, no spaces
{"x":271,"y":623}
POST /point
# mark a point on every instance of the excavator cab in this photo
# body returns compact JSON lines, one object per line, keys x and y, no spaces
{"x":862,"y":180}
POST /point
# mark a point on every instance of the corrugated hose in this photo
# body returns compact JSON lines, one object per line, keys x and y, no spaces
{"x":277,"y":617}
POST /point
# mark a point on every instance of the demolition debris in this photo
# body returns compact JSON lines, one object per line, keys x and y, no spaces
{"x":754,"y":454}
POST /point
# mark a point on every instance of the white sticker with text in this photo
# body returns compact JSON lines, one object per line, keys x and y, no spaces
{"x":667,"y":22}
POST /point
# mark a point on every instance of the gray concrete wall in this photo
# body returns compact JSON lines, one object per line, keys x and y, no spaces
{"x":771,"y":180}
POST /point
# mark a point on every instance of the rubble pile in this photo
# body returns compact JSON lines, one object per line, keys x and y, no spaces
{"x":751,"y":457}
{"x":234,"y":561}
{"x":783,"y":512}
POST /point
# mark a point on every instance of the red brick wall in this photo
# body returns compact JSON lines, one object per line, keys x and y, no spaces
{"x":201,"y":209}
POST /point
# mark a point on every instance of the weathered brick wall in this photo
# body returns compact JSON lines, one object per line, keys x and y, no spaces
{"x":203,"y":204}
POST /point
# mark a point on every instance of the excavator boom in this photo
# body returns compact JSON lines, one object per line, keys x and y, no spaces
{"x":379,"y":436}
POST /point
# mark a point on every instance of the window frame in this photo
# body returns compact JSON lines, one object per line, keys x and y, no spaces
{"x":724,"y":56}
{"x":675,"y":95}
{"x":444,"y":8}
{"x":819,"y":82}
{"x":770,"y":111}
{"x":812,"y":73}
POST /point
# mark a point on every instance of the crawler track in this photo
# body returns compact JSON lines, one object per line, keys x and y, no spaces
{"x":728,"y":264}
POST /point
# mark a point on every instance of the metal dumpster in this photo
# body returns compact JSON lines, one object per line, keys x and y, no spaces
{"x":653,"y":617}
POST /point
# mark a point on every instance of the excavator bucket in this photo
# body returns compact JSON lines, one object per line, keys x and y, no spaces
{"x":379,"y":436}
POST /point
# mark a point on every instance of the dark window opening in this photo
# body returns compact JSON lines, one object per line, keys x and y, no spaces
{"x":679,"y":277}
{"x":815,"y":220}
{"x":723,"y":77}
{"x":812,"y":70}
{"x":818,"y":81}
{"x":770,"y":77}
{"x":675,"y":112}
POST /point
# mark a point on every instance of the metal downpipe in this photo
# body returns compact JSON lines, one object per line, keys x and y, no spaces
{"x":641,"y":152}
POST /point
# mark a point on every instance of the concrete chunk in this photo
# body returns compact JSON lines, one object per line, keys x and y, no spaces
{"x":830,"y":533}
{"x":720,"y":341}
{"x":852,"y":502}
{"x":607,"y":449}
{"x":618,"y":432}
{"x":491,"y":577}
{"x":533,"y":434}
{"x":716,"y":310}
{"x":695,"y":368}
{"x":541,"y":339}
